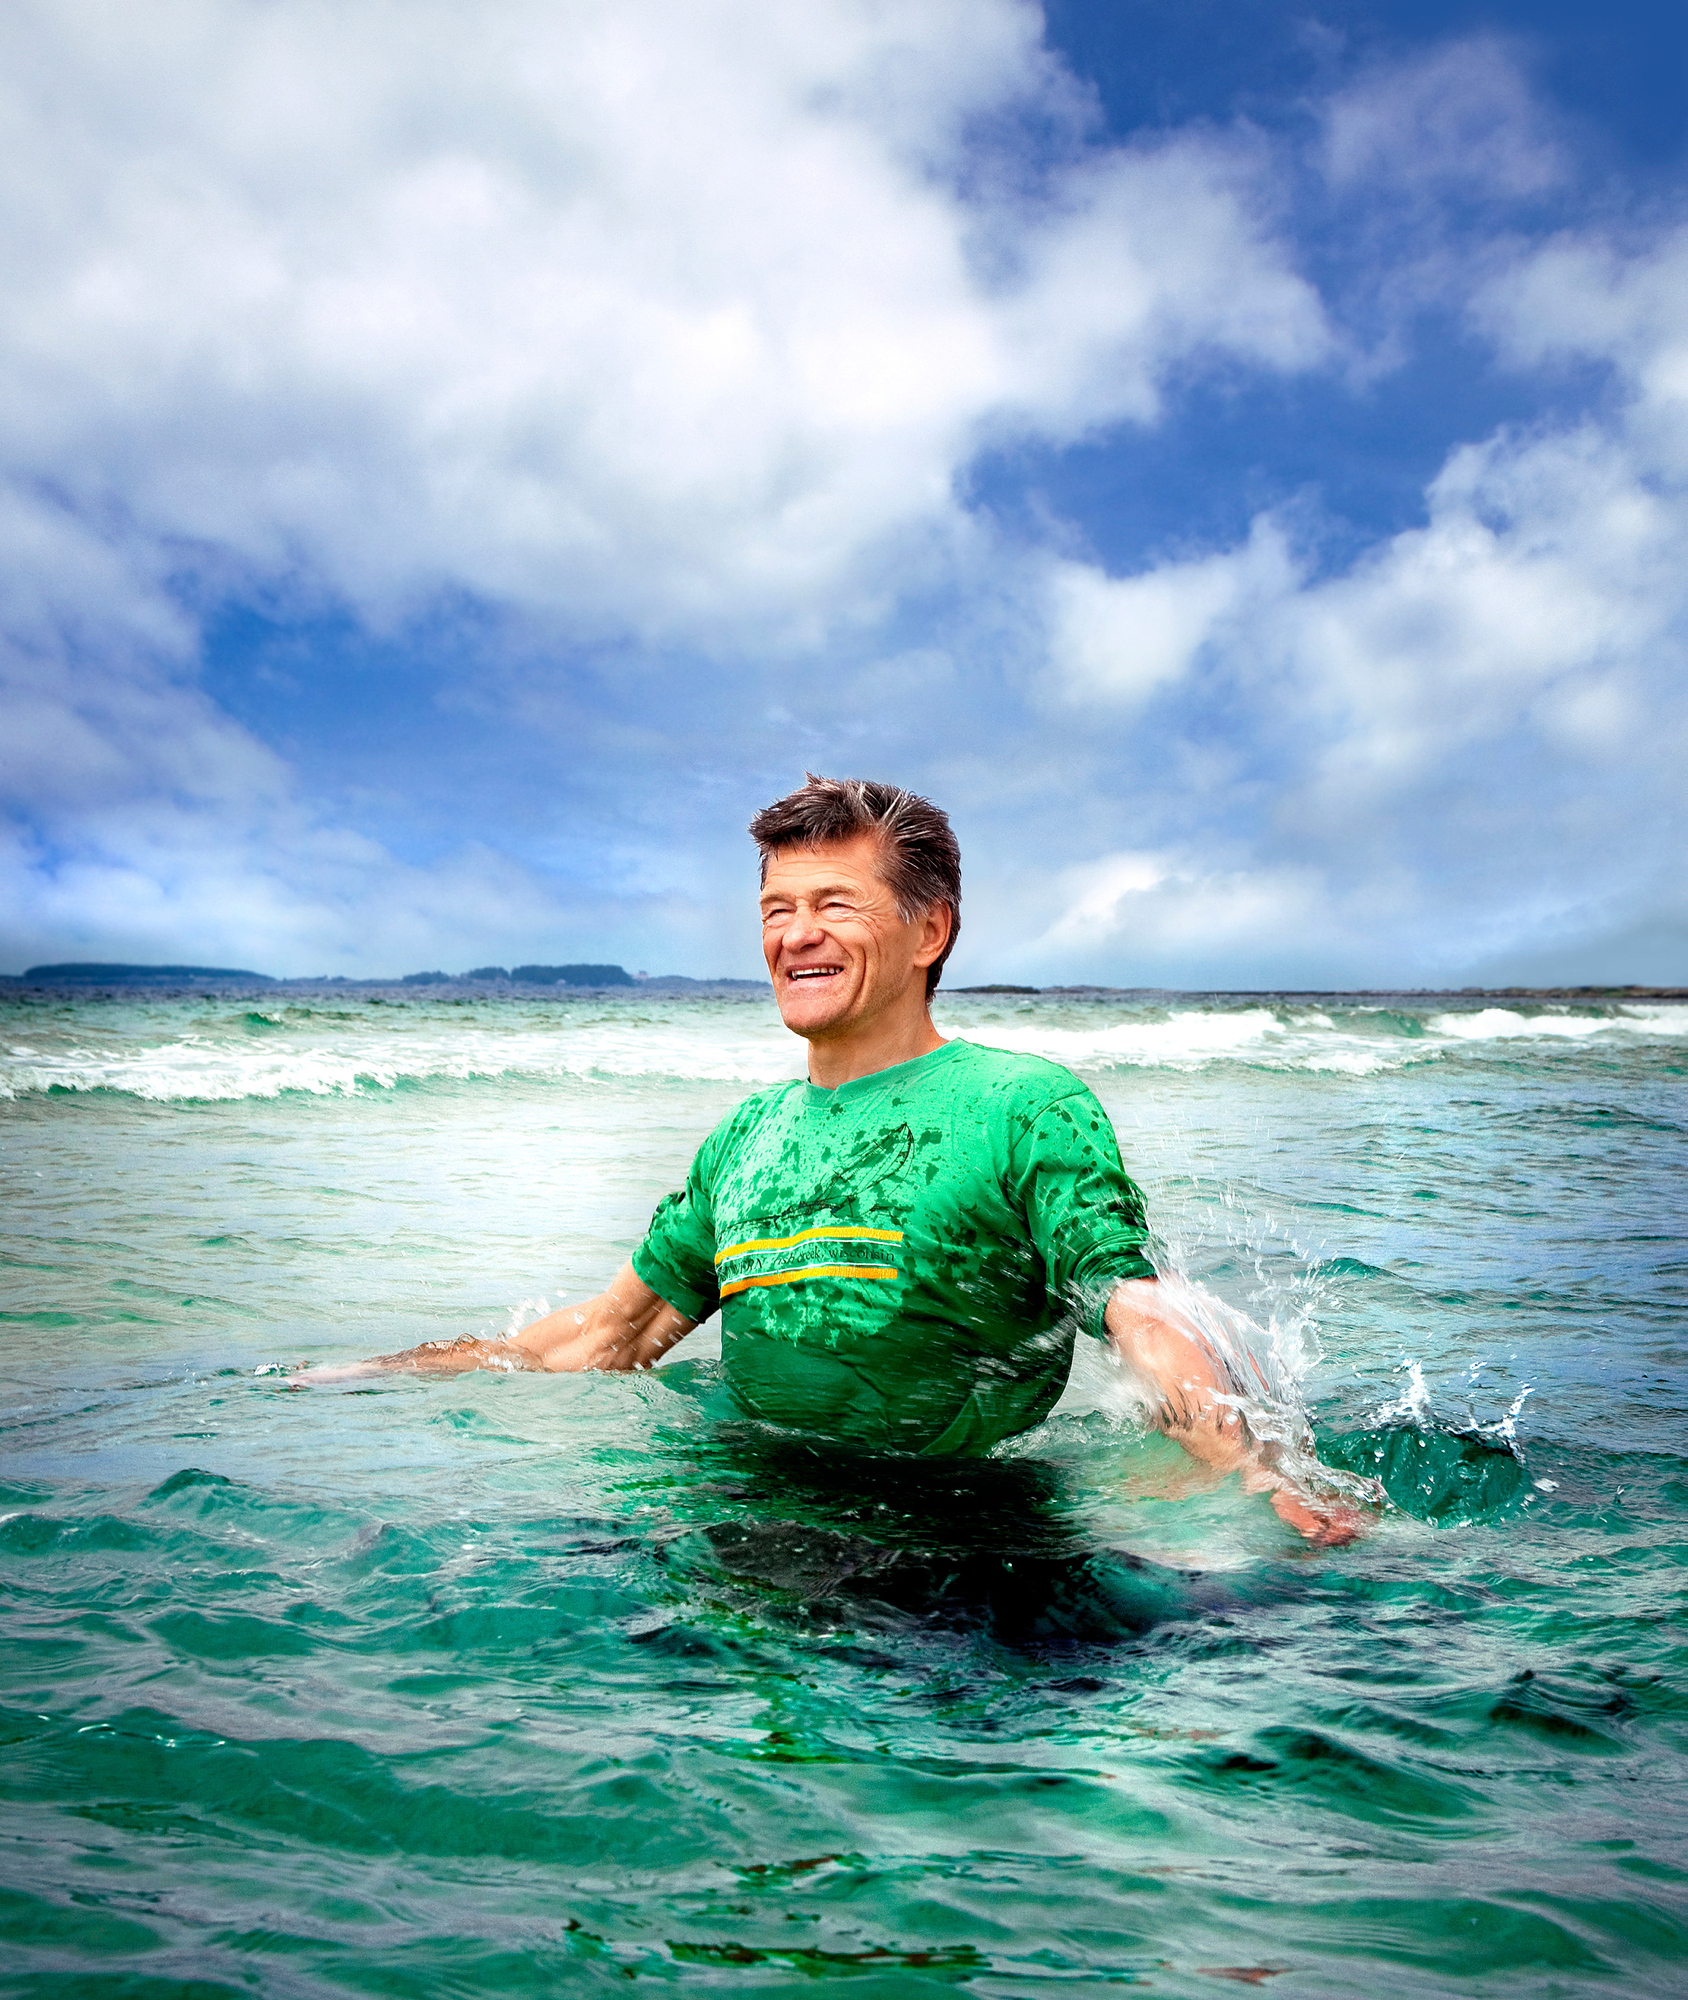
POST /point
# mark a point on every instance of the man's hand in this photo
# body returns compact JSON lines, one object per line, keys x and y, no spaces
{"x":625,"y":1327}
{"x":1191,"y":1392}
{"x":1327,"y":1524}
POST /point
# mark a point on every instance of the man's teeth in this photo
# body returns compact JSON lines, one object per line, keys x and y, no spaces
{"x":813,"y":972}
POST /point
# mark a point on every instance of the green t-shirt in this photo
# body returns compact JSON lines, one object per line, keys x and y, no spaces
{"x":901,"y":1263}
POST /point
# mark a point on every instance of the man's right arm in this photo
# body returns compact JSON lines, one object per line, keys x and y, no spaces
{"x":626,"y":1327}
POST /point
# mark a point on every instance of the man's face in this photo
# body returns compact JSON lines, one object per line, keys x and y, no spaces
{"x":838,"y":953}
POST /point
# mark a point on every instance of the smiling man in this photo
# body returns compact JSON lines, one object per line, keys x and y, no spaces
{"x":904,"y":1246}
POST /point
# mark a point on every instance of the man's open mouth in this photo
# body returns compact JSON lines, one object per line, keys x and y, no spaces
{"x":814,"y":972}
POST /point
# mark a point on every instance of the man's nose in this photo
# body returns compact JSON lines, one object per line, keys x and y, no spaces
{"x":801,"y":929}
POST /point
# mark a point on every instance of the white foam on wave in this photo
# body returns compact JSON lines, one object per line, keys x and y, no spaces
{"x":748,"y":1046}
{"x":201,"y":1068}
{"x":1503,"y":1024}
{"x":1314,"y":1041}
{"x":1256,"y":1035}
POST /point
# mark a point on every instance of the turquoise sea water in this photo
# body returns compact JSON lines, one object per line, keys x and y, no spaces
{"x":534,"y":1685}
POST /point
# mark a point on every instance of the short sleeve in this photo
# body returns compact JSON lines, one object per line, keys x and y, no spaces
{"x":1083,"y":1212}
{"x":677,"y":1257}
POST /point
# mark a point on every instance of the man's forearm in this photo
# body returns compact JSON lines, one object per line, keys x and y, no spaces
{"x":626,"y":1327}
{"x":1184,"y":1377}
{"x":1191,"y":1393}
{"x":435,"y":1357}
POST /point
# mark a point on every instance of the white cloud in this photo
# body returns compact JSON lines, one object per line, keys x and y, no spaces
{"x":278,"y":893}
{"x":656,"y":317}
{"x":1549,"y":580}
{"x":1474,"y":734}
{"x":1543,"y":608}
{"x":1461,"y":116}
{"x":1118,"y":639}
{"x":71,"y":586}
{"x":145,"y":824}
{"x":1155,"y":259}
{"x":1585,"y":297}
{"x":157,"y":829}
{"x":1430,"y":163}
{"x":1142,"y":916}
{"x":142,"y":822}
{"x":663,"y":320}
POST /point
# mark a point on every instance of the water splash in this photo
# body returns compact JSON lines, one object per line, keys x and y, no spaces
{"x":1413,"y":1404}
{"x":1506,"y":1427}
{"x":1267,"y":1367}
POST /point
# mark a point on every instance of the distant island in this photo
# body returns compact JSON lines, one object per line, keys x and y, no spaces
{"x":530,"y":975}
{"x":83,"y":972}
{"x":583,"y":977}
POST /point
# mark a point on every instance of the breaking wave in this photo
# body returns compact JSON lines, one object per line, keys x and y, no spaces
{"x":201,"y":1067}
{"x":362,"y":1049}
{"x":1352,"y":1041}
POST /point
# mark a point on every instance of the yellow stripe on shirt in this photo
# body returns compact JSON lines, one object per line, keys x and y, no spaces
{"x":813,"y":1271}
{"x":829,"y":1230}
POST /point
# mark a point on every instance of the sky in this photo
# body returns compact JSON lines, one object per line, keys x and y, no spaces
{"x":459,"y":462}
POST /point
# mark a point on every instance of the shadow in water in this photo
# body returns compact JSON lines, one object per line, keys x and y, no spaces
{"x":983,"y":1545}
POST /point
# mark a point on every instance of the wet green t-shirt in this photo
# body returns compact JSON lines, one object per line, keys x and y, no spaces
{"x":902,"y":1263}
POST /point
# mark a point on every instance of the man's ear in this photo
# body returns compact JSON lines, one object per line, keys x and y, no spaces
{"x":935,"y":933}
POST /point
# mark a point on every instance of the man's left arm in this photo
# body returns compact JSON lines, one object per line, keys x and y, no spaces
{"x":1085,"y":1215}
{"x":1192,"y":1396}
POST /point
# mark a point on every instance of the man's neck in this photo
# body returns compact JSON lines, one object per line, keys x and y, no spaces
{"x":875,"y":1046}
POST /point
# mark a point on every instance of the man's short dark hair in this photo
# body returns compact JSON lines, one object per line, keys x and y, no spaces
{"x":919,"y":861}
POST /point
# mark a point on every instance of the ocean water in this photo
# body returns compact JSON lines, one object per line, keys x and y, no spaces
{"x":557,"y":1685}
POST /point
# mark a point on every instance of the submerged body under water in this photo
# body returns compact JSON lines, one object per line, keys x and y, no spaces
{"x":533,"y":1684}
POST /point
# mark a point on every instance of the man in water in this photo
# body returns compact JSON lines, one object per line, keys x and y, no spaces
{"x":903,"y":1247}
